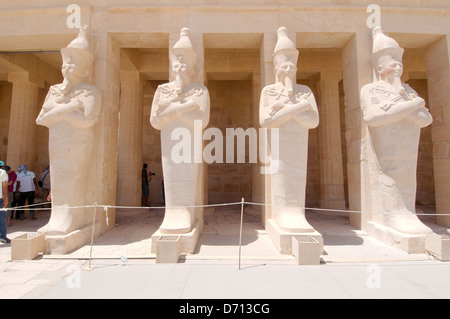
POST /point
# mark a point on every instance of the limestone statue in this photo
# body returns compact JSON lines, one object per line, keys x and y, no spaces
{"x":292,"y":109}
{"x":70,"y":111}
{"x":176,"y":107}
{"x":394,"y":115}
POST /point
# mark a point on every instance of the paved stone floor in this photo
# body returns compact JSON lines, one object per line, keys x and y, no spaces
{"x":217,"y":252}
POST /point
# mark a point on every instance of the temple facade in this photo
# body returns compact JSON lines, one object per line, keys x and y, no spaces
{"x":234,"y":42}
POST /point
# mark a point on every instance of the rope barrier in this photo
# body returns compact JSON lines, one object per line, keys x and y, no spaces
{"x":26,"y":207}
{"x":242,"y":203}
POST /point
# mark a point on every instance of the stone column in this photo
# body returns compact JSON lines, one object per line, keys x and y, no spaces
{"x":107,"y":79}
{"x":330,"y":152}
{"x":256,"y":168}
{"x":357,"y":72}
{"x":267,"y":77}
{"x":437,"y":58}
{"x":22,"y":125}
{"x":130,"y":140}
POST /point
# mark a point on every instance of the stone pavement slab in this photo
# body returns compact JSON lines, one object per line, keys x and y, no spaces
{"x":353,"y":264}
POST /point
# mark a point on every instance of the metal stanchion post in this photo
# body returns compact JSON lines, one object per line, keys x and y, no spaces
{"x":92,"y":236}
{"x":240,"y":233}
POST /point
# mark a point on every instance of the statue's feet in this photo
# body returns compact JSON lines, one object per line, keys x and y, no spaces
{"x":65,"y":220}
{"x":176,"y":221}
{"x":293,"y":220}
{"x":407,"y":223}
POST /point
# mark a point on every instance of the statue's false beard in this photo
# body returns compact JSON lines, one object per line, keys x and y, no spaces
{"x":288,"y":85}
{"x":179,"y":83}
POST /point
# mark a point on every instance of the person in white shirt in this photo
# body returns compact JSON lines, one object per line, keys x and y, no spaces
{"x":3,"y":203}
{"x":27,"y":188}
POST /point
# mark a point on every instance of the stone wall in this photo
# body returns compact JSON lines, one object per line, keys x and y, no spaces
{"x":5,"y":111}
{"x":231,"y":107}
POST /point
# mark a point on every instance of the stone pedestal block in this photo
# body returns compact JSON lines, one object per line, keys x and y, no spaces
{"x":283,"y":240}
{"x":169,"y":249}
{"x":186,"y":243}
{"x":62,"y":244}
{"x":412,"y":244}
{"x":438,"y":246}
{"x":306,"y":250}
{"x":27,"y":246}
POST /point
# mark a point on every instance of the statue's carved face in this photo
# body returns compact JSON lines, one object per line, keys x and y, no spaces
{"x":286,"y":69}
{"x":391,"y":69}
{"x":72,"y":69}
{"x":284,"y":66}
{"x":68,"y":67}
{"x":179,"y":67}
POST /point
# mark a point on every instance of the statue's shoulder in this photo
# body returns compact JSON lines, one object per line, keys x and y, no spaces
{"x":372,"y":85}
{"x":374,"y":88}
{"x":409,"y":90}
{"x":201,"y":86}
{"x":166,"y":85}
{"x":300,"y":88}
{"x":87,"y":89}
{"x":198,"y":87}
{"x":271,"y":87}
{"x":79,"y":89}
{"x":195,"y":89}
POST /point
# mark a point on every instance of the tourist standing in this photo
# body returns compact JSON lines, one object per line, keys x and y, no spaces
{"x":12,"y":202}
{"x":3,"y":203}
{"x":27,"y":188}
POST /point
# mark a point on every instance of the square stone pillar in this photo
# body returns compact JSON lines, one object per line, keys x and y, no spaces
{"x":22,"y":125}
{"x":107,"y":79}
{"x":357,"y":72}
{"x":267,"y":77}
{"x":437,"y":58}
{"x":130,"y":140}
{"x":332,"y":193}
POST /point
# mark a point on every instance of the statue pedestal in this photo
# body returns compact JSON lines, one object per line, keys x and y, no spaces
{"x":283,"y":240}
{"x":438,"y":246}
{"x":62,"y":244}
{"x":165,"y":250}
{"x":411,"y":243}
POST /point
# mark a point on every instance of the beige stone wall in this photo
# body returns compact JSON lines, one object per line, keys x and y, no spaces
{"x":42,"y":155}
{"x":151,"y":149}
{"x":425,"y":168}
{"x":231,"y":107}
{"x":235,"y":41}
{"x":5,"y":111}
{"x":438,"y":74}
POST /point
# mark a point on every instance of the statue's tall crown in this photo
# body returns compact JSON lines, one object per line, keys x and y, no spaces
{"x":384,"y":47}
{"x":80,"y":46}
{"x":184,"y":47}
{"x":285,"y":45}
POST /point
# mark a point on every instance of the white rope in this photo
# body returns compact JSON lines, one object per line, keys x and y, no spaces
{"x":106,"y":207}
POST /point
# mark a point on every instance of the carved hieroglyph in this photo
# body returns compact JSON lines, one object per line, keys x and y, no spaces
{"x":394,"y":115}
{"x":70,"y":111}
{"x":176,"y":106}
{"x":292,"y":109}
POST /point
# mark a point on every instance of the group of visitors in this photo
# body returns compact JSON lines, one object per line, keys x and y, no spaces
{"x":16,"y":190}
